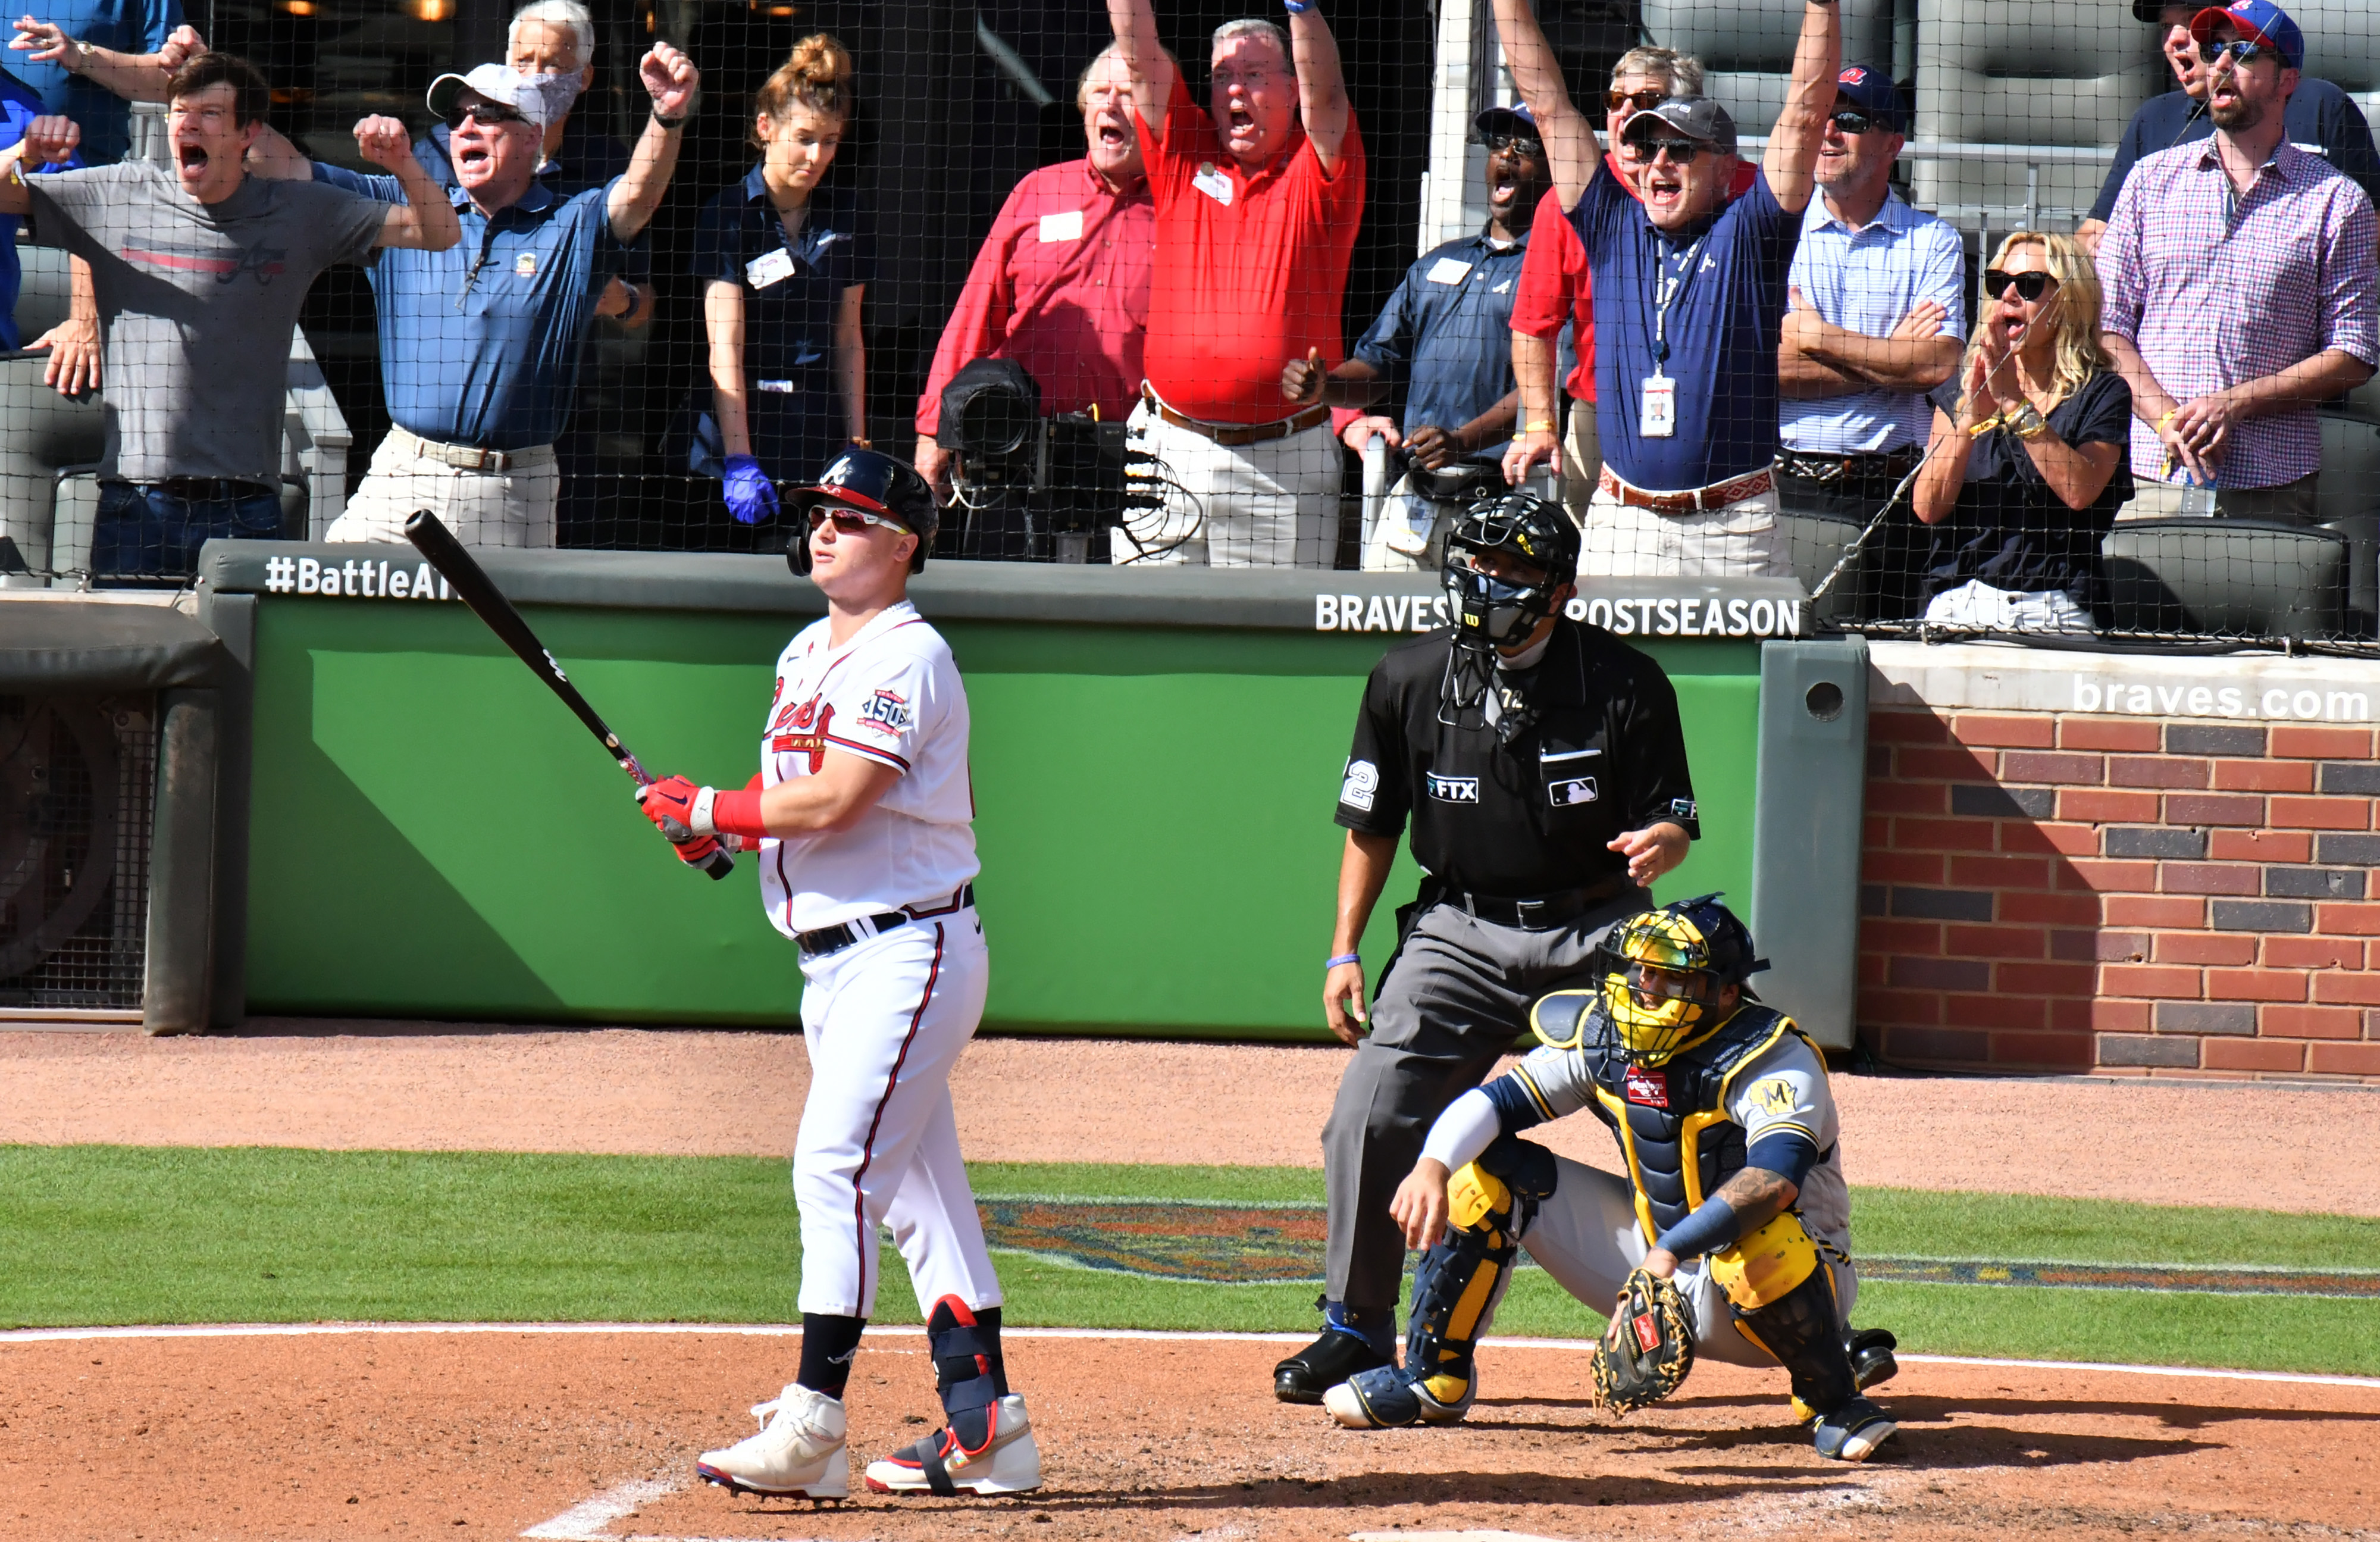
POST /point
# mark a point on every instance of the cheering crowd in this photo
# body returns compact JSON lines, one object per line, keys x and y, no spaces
{"x":1689,"y":341}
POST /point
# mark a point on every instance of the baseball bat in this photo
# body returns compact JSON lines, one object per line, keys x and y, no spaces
{"x":474,"y":588}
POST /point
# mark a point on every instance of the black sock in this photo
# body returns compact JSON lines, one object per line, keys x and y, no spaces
{"x":829,"y":1344}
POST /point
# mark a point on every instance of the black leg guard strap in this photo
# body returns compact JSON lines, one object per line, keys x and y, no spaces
{"x":1526,"y":1168}
{"x":967,"y":1373}
{"x":1801,"y":1329}
{"x":1461,"y":1279}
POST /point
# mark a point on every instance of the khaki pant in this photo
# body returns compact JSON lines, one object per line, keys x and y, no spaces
{"x":1274,"y":504}
{"x":2289,"y":503}
{"x":512,"y":507}
{"x":1582,"y":460}
{"x":1741,"y":541}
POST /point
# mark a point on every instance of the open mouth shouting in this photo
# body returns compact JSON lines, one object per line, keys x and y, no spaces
{"x":1662,"y":184}
{"x":472,"y":156}
{"x":1240,"y":128}
{"x":191,"y":158}
{"x":1504,"y":179}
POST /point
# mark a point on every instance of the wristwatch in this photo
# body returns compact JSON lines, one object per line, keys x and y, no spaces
{"x":85,"y":52}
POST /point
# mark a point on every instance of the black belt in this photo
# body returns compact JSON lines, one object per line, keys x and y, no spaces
{"x":1541,"y":913}
{"x":834,"y":939}
{"x":209,"y":490}
{"x":1887,"y":466}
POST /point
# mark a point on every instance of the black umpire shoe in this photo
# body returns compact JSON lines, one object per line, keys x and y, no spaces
{"x":1322,"y":1365}
{"x":1871,"y":1355}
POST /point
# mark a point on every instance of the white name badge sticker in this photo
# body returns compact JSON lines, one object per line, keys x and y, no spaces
{"x":1657,"y":415}
{"x":1445,"y":269}
{"x":769,"y":267}
{"x":1067,"y":227}
{"x":1212,"y":182}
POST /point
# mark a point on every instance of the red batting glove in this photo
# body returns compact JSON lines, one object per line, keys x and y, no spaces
{"x":669,"y":803}
{"x":693,"y":853}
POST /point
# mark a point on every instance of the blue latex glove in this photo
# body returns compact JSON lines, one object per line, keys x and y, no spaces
{"x":751,"y":496}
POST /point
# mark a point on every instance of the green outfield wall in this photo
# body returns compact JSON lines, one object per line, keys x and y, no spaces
{"x":429,"y":833}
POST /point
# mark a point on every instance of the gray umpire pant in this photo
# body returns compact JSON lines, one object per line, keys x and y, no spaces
{"x":1452,"y":1001}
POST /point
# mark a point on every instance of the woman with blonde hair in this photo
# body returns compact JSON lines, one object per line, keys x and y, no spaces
{"x":786,"y":261}
{"x":2024,"y":472}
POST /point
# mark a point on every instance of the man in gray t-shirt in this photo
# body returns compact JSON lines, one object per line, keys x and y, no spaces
{"x":199,"y":276}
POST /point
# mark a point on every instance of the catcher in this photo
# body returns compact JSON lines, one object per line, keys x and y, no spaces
{"x":1730,"y":1236}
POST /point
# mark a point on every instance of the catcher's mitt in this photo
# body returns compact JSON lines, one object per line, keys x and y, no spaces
{"x":1650,"y":1348}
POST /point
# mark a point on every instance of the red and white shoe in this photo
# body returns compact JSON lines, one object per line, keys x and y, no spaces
{"x":1006,"y":1463}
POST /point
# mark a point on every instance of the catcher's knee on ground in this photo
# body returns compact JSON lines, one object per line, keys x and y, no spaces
{"x":1784,"y":1301}
{"x":1456,"y":1287}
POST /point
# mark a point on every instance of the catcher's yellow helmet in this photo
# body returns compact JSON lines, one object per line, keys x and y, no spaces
{"x":1665,"y":972}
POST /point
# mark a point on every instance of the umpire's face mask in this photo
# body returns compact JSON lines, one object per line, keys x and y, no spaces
{"x":1497,"y":598}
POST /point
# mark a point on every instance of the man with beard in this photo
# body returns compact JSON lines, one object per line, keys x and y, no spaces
{"x":1060,"y":285}
{"x":2242,"y":289}
{"x":1442,"y":339}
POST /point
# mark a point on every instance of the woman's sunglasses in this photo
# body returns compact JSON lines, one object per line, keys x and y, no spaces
{"x":1614,"y":101}
{"x":2029,"y":287}
{"x":852,"y":522}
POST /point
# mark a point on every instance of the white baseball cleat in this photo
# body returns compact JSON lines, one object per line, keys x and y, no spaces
{"x":1008,"y":1462}
{"x":799,"y":1451}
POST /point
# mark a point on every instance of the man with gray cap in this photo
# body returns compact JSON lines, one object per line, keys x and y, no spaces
{"x":479,"y":346}
{"x":1690,"y":293}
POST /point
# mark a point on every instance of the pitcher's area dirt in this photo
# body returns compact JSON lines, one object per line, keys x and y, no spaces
{"x":487,"y":1436}
{"x":348,"y":1085}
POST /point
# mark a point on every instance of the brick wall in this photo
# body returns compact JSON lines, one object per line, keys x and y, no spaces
{"x":2080,"y":893}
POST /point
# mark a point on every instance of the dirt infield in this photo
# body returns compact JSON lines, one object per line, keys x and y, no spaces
{"x":437,"y":1088}
{"x":493,"y":1433}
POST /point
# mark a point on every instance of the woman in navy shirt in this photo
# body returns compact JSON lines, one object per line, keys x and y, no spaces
{"x":785,"y":265}
{"x":2023,"y":475}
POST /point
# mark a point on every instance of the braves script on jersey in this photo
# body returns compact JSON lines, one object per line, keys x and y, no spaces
{"x":891,"y":695}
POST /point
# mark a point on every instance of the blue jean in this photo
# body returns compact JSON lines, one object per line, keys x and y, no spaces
{"x":146,"y":533}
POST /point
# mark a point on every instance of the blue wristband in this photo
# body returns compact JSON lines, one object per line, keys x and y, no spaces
{"x":1714,"y":1225}
{"x":1342,"y":958}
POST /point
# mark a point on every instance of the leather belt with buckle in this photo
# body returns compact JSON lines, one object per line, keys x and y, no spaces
{"x":1885,"y":466}
{"x":1239,"y":433}
{"x":470,"y":457}
{"x":1539,"y":914}
{"x":1718,"y":495}
{"x":834,"y":939}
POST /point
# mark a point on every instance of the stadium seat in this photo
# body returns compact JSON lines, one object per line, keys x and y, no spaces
{"x":2030,"y":74}
{"x":1747,"y":48}
{"x":2233,"y":577}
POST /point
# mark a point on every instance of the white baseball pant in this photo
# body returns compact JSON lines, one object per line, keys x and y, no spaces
{"x":885,"y":1020}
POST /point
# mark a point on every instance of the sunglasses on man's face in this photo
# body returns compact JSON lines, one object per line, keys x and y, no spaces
{"x":491,"y":114}
{"x":1641,"y":100}
{"x":1681,"y":152}
{"x":2238,"y":52}
{"x":1852,"y":120}
{"x":1520,"y":144}
{"x":852,"y":522}
{"x":2029,"y":287}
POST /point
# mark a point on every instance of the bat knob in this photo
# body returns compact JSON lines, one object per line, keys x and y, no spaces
{"x":718,"y":865}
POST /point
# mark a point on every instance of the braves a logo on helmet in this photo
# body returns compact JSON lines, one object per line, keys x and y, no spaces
{"x":1648,"y":1089}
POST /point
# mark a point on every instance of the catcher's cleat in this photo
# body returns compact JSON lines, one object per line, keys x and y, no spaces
{"x":1871,"y":1354}
{"x":1008,"y":1462}
{"x":1305,"y":1376}
{"x":799,"y":1452}
{"x":1853,"y":1432}
{"x":1386,"y":1398}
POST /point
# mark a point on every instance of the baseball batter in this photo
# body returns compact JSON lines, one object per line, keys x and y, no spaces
{"x":863,"y":818}
{"x":1734,"y":1192}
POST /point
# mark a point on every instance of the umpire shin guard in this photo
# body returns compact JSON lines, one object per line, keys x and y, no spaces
{"x":1456,"y":1287}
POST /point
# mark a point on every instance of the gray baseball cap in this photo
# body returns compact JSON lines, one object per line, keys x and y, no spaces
{"x":1696,"y":117}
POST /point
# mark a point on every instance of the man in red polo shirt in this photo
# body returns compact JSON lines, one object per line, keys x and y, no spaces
{"x":1258,"y":198}
{"x":1556,"y":288}
{"x":1062,"y":282}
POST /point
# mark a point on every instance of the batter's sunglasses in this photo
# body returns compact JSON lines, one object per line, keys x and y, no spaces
{"x":2029,"y":287}
{"x":852,"y":522}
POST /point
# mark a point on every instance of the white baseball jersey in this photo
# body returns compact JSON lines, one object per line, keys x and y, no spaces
{"x":891,"y":695}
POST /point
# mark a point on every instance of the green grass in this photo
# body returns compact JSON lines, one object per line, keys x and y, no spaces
{"x":96,"y":1234}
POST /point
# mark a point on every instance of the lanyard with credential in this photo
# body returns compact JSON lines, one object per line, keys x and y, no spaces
{"x":1656,"y":412}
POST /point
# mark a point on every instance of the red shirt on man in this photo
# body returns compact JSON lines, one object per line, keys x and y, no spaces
{"x":1061,"y":286}
{"x":1251,"y":270}
{"x":1554,"y":286}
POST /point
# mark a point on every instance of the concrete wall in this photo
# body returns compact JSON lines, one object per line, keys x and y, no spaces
{"x":2121,"y":865}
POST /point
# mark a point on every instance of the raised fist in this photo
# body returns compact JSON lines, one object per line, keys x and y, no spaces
{"x":670,"y":79}
{"x":384,"y":142}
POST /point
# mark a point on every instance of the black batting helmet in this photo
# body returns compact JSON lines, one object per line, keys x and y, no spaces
{"x":1526,"y":528}
{"x":874,"y":481}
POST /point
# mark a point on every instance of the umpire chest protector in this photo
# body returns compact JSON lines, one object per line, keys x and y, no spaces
{"x":1675,"y":1132}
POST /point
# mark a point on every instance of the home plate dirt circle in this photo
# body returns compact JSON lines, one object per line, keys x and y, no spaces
{"x":590,"y":1434}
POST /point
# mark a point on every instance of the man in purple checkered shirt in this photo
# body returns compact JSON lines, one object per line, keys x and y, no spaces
{"x":2242,"y":289}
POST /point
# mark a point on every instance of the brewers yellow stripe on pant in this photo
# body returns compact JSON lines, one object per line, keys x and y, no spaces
{"x":885,"y":1020}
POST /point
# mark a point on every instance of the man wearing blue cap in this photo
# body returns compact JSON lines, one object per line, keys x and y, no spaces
{"x":1444,"y":339}
{"x":1876,"y":317}
{"x":2320,"y":116}
{"x":2241,"y":289}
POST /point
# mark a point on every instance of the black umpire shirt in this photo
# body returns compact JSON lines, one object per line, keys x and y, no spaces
{"x":1605,"y":754}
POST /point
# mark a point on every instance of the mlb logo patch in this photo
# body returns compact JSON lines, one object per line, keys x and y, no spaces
{"x":1572,"y":792}
{"x":1647,"y":1089}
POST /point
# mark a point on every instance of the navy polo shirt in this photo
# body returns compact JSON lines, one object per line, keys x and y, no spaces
{"x":586,"y":158}
{"x":789,"y":321}
{"x":479,"y":344}
{"x":1445,"y":338}
{"x":1723,"y":330}
{"x":2320,"y":119}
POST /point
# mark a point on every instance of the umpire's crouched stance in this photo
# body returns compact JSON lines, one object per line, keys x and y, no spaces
{"x":1544,"y":768}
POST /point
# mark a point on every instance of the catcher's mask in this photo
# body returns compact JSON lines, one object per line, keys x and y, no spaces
{"x":1665,"y":972}
{"x":1526,"y":530}
{"x":872,"y":481}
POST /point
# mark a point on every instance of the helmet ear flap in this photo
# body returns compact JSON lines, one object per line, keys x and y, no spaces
{"x":797,"y":551}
